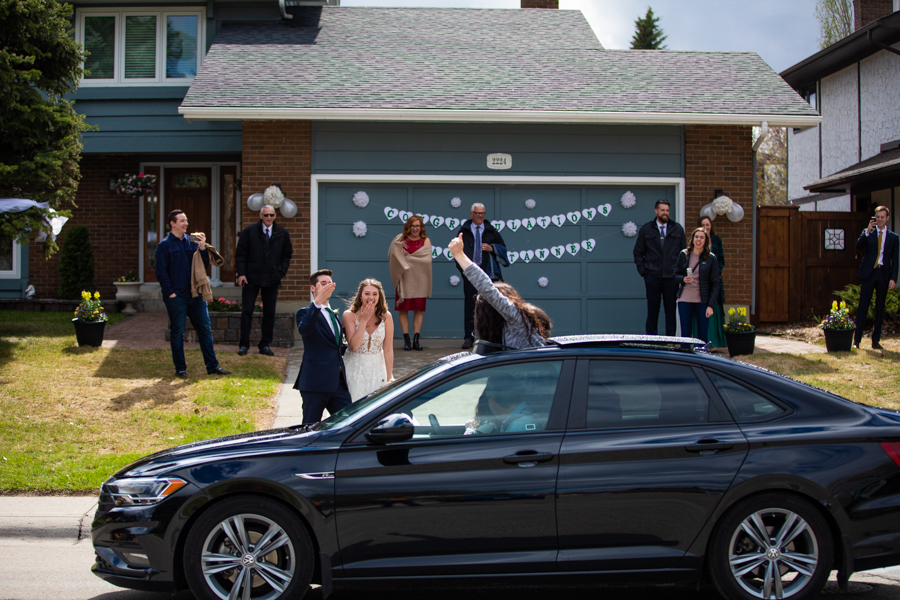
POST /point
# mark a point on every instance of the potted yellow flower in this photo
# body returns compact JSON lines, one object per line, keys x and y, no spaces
{"x":90,"y":320}
{"x":838,"y":328}
{"x":740,"y":335}
{"x":128,"y":291}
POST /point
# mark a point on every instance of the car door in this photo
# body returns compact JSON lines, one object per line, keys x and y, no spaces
{"x":473,"y":491}
{"x":649,"y":454}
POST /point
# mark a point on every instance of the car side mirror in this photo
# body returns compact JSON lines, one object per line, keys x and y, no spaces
{"x":391,"y":429}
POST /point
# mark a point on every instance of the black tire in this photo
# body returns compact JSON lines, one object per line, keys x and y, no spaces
{"x":786,"y":564}
{"x":224,"y":541}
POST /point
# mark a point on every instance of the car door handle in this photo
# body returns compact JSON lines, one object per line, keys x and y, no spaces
{"x":527,"y":456}
{"x":708,"y":446}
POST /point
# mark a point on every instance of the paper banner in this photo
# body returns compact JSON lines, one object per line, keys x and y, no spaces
{"x":558,"y":220}
{"x":589,"y":213}
{"x":526,"y":255}
{"x":543,"y":222}
{"x":542,"y":254}
{"x":558,"y":251}
{"x":573,"y":248}
{"x":529,"y":223}
{"x":436,"y":251}
{"x":589,"y":244}
{"x":405,"y":215}
{"x":605,"y":209}
{"x":512,"y":256}
{"x":513,"y":224}
{"x":452,"y":223}
{"x":390,"y":213}
{"x":437,"y":221}
{"x":498,"y":225}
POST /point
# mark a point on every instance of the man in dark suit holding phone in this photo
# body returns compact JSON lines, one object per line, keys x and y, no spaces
{"x":322,"y":380}
{"x":878,"y":271}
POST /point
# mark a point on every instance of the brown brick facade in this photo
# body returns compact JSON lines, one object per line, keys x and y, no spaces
{"x":279,"y":152}
{"x":721,"y":157}
{"x":113,"y":221}
{"x":866,"y":11}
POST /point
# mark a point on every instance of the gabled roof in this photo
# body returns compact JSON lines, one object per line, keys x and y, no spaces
{"x":474,"y":65}
{"x":880,"y":166}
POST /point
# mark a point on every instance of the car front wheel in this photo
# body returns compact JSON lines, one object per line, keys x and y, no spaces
{"x":248,"y":547}
{"x":771,"y":546}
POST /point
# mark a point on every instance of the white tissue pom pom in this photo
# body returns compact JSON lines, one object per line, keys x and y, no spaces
{"x":273,"y":196}
{"x":454,"y":280}
{"x":530,"y":204}
{"x":629,"y":229}
{"x":543,"y":282}
{"x":455,"y":203}
{"x":722,"y":205}
{"x":628,"y":200}
{"x":359,"y":229}
{"x":361,"y":199}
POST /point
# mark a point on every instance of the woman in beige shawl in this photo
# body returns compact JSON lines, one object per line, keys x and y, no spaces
{"x":410,"y":260}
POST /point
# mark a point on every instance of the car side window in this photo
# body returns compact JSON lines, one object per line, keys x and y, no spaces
{"x":745,"y":405}
{"x":627,"y":394}
{"x":497,"y":400}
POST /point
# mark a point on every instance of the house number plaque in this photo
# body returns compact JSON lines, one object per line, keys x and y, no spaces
{"x":499,"y":161}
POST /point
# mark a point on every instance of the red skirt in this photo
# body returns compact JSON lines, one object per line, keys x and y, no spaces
{"x":409,"y":304}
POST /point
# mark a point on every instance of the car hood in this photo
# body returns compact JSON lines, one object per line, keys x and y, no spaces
{"x":245,"y":444}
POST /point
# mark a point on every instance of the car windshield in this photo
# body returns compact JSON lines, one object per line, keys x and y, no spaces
{"x":349,"y":414}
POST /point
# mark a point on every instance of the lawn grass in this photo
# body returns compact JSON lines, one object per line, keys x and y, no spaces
{"x":70,"y":417}
{"x":865,"y":375}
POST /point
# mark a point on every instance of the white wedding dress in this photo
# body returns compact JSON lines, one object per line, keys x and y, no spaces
{"x":365,"y":368}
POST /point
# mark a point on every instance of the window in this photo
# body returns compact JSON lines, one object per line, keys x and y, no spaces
{"x":140,"y":46}
{"x":627,"y":394}
{"x":746,"y":405}
{"x":505,"y":399}
{"x":10,"y":260}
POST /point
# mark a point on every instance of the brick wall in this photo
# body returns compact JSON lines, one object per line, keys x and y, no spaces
{"x":866,"y":11}
{"x":540,"y":4}
{"x":113,"y":221}
{"x":279,"y":152}
{"x":721,"y":157}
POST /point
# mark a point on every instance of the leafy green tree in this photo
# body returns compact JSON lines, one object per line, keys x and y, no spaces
{"x":648,"y":35}
{"x":771,"y":167}
{"x":39,"y":158}
{"x":835,"y":20}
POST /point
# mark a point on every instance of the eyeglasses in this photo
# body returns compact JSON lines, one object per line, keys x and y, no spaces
{"x":477,"y":213}
{"x":269,"y":214}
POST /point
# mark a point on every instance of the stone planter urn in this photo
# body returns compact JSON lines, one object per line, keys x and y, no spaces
{"x":839,"y":340}
{"x":740,"y":342}
{"x":128,"y":292}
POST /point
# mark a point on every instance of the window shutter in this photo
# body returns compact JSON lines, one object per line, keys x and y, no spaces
{"x":140,"y":47}
{"x":100,"y":43}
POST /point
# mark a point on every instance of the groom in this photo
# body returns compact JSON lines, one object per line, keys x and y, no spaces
{"x":322,"y":380}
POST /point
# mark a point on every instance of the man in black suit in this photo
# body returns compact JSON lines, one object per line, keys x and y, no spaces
{"x":657,"y":247}
{"x":261,"y":259}
{"x":322,"y":380}
{"x":479,"y":238}
{"x":878,"y":272}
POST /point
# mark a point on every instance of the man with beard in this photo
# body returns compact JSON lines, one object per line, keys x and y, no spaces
{"x":655,"y":252}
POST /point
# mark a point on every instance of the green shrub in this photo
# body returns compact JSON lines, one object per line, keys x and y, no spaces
{"x":850,"y":295}
{"x":76,"y":263}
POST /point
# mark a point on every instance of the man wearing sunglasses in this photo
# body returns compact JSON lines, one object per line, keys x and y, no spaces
{"x":261,"y":259}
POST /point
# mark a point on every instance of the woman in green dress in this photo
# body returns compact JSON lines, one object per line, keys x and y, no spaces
{"x":717,"y":320}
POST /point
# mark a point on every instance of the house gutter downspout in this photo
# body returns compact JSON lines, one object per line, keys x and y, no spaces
{"x":764,"y":131}
{"x":284,"y":13}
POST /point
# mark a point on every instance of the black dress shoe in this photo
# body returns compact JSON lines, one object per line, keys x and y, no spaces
{"x":218,"y":371}
{"x":242,"y":351}
{"x":877,"y":346}
{"x":181,"y":374}
{"x":856,"y":346}
{"x":267,"y":351}
{"x":468,"y":343}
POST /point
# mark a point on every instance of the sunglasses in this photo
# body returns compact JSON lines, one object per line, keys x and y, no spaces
{"x":269,"y":215}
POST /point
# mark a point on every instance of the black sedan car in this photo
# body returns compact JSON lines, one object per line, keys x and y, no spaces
{"x":596,"y":459}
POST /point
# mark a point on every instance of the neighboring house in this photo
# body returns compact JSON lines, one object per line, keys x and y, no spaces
{"x":851,"y":161}
{"x":416,"y":107}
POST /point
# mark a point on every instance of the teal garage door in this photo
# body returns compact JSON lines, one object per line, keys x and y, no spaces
{"x":571,"y":255}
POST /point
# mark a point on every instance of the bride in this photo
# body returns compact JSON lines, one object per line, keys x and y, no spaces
{"x":369,"y":328}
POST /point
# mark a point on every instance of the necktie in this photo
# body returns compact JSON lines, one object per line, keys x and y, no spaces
{"x":476,"y":255}
{"x":662,"y":234}
{"x":267,"y":237}
{"x":878,"y":254}
{"x":337,"y":327}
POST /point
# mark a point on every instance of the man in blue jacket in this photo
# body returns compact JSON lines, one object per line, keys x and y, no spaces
{"x":322,"y":380}
{"x":174,"y":256}
{"x":878,"y":272}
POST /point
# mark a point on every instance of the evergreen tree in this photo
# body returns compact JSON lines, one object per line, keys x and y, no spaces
{"x":39,"y":63}
{"x":76,"y":263}
{"x":648,"y":35}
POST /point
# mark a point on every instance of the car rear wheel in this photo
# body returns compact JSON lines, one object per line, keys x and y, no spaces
{"x":248,"y":547}
{"x":771,"y":546}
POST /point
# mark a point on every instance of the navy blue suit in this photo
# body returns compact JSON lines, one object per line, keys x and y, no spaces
{"x":322,"y":380}
{"x":875,"y":279}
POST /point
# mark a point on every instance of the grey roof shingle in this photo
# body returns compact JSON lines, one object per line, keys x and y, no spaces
{"x":474,"y":59}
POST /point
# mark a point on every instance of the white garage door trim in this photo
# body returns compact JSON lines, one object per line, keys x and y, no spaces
{"x":315,"y":180}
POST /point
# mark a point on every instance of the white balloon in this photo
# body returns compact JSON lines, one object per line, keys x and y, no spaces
{"x":708,"y":212}
{"x":288,"y":208}
{"x":736,"y":214}
{"x":256,"y":202}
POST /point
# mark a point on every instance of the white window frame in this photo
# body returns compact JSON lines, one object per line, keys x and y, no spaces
{"x":16,"y":272}
{"x":161,"y":15}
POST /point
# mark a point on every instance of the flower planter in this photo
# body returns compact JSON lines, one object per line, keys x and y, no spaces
{"x":839,"y":340}
{"x":89,"y":333}
{"x":128,"y":292}
{"x":740,"y":342}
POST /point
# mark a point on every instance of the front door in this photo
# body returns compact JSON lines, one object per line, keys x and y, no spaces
{"x":190,"y":190}
{"x":470,"y":493}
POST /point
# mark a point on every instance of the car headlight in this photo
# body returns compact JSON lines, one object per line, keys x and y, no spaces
{"x":143,"y":491}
